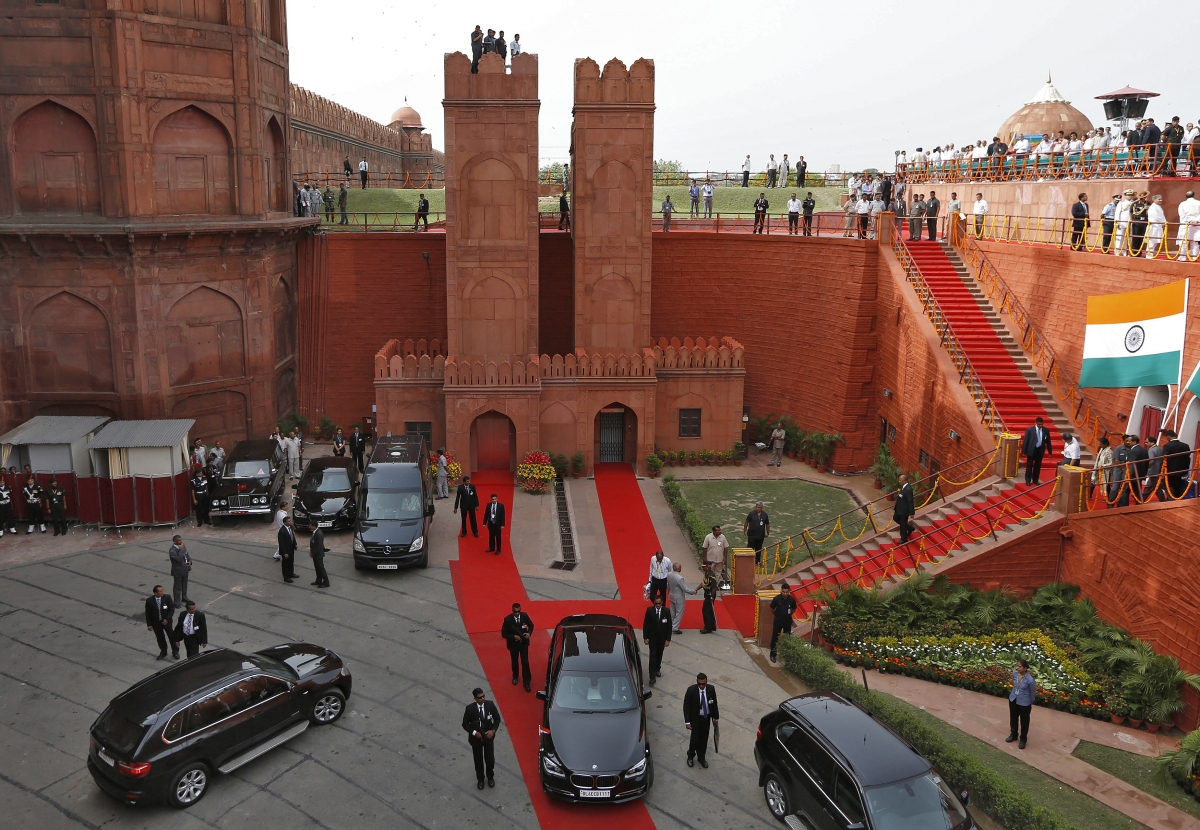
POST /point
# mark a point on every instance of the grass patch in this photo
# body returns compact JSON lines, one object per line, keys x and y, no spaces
{"x":791,"y":505}
{"x":1136,"y":770}
{"x":741,"y":199}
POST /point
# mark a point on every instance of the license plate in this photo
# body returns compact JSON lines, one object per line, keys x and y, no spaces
{"x":104,"y":757}
{"x":239,"y":512}
{"x":324,"y":524}
{"x":387,"y":567}
{"x":595,"y":793}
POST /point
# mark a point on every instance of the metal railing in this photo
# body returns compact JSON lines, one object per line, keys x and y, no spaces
{"x":727,"y":178}
{"x":1120,"y":484}
{"x":1151,"y":160}
{"x":1124,"y":237}
{"x":827,"y":223}
{"x":372,"y":221}
{"x":1075,"y":405}
{"x":399,"y":180}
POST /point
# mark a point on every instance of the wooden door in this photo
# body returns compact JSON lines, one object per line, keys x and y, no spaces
{"x":493,"y":441}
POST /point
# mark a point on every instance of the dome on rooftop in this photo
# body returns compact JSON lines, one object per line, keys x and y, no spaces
{"x":407,"y":116}
{"x":1047,"y":112}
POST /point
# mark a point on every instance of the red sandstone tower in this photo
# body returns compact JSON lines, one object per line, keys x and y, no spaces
{"x":147,"y":245}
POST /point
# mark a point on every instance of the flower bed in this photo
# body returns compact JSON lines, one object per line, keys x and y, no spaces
{"x":535,"y":472}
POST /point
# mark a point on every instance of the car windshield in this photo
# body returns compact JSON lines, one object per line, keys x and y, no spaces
{"x":270,"y":664}
{"x":921,"y":803}
{"x":247,"y":469}
{"x":118,"y":733}
{"x":327,"y":480}
{"x":594,"y":692}
{"x":384,"y":505}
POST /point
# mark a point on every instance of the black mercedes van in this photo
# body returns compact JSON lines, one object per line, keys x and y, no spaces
{"x":395,"y":506}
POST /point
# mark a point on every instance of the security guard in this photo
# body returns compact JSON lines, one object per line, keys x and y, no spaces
{"x":57,"y":497}
{"x":200,"y":497}
{"x":6,"y":509}
{"x":33,"y":504}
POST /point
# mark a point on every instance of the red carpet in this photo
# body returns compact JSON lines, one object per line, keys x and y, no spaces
{"x":741,"y":610}
{"x":1007,"y":387}
{"x":486,"y":586}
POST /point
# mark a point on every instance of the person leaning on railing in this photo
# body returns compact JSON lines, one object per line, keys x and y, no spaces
{"x":1101,"y":471}
{"x":1188,"y":235}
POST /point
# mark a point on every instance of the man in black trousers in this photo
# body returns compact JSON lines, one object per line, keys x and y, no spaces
{"x":192,"y":630}
{"x":468,"y":499}
{"x":699,"y":711}
{"x":481,"y":721}
{"x":493,"y":517}
{"x":317,"y":550}
{"x":516,"y":631}
{"x":1079,"y":217}
{"x":159,"y":611}
{"x":56,"y":497}
{"x":656,"y":633}
{"x":905,"y":508}
{"x":287,"y":549}
{"x":784,"y":606}
{"x":1035,"y":446}
{"x":358,"y":446}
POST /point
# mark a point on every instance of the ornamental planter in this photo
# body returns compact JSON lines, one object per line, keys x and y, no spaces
{"x":878,"y":485}
{"x":1152,"y":727}
{"x":1135,"y":723}
{"x":820,"y":468}
{"x":737,"y":462}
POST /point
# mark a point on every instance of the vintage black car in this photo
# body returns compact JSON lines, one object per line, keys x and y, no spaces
{"x":593,"y":744}
{"x":327,"y":495}
{"x":395,"y":506}
{"x":165,"y":738}
{"x":826,"y":764}
{"x":252,"y":481}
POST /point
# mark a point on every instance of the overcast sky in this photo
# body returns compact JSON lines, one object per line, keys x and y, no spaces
{"x":768,"y":77}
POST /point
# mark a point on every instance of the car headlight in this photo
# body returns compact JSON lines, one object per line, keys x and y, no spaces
{"x":417,"y":544}
{"x":637,"y":770}
{"x":224,"y":502}
{"x":216,"y":502}
{"x":359,"y":547}
{"x":553,"y":766}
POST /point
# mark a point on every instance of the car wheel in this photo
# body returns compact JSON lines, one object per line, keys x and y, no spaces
{"x":776,"y":796}
{"x":329,"y":706}
{"x":649,"y":772}
{"x":423,"y":562}
{"x":189,"y":786}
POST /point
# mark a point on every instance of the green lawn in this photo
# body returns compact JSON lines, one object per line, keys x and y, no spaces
{"x":1136,"y":770}
{"x":791,"y":505}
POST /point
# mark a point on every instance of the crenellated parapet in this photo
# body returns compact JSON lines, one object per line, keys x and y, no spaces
{"x":698,"y":353}
{"x":492,"y":81}
{"x":595,"y":365}
{"x":616,"y":84}
{"x":464,"y":371}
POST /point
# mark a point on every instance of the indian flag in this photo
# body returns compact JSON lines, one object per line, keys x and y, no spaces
{"x":1135,"y":339}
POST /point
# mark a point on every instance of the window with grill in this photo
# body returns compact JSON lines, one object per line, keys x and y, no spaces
{"x":422,"y":428}
{"x":923,"y":460}
{"x":689,"y":423}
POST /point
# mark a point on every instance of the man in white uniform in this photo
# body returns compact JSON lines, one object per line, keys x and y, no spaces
{"x":1158,"y":225}
{"x":980,"y":210}
{"x":1189,"y":226}
{"x":1123,"y":216}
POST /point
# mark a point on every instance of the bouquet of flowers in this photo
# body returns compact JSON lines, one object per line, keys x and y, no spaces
{"x":535,"y":472}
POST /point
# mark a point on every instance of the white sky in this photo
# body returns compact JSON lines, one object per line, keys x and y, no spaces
{"x":768,"y":77}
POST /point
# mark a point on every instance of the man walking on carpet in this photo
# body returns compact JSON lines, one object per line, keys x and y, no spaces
{"x":656,"y":633}
{"x":493,"y":518}
{"x":516,"y":631}
{"x":1035,"y":446}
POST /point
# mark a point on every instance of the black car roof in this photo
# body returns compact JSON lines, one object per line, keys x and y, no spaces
{"x":592,"y":642}
{"x":253,"y":449}
{"x":400,"y":449}
{"x":327,"y":461}
{"x":182,"y":680}
{"x":875,"y":753}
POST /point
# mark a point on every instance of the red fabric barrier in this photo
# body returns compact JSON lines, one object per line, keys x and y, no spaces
{"x":183,"y":496}
{"x":164,"y":500}
{"x":108,"y":508}
{"x":89,"y":500}
{"x":15,"y":483}
{"x":123,"y":502}
{"x":143,"y":500}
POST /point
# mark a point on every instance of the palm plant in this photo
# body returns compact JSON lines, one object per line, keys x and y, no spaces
{"x":1150,"y":681}
{"x":990,"y":608}
{"x":1181,"y":763}
{"x":763,"y":425}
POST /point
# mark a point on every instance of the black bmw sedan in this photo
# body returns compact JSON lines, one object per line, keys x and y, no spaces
{"x":164,"y":739}
{"x":593,"y":744}
{"x":327,"y":495}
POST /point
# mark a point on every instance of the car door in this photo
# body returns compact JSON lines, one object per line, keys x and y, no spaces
{"x":214,"y":728}
{"x":814,"y":776}
{"x":847,"y":805}
{"x":273,"y":705}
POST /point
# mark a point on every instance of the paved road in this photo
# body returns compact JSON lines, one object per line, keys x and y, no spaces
{"x":72,"y":635}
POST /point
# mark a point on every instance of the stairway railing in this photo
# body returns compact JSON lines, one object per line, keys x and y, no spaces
{"x":1076,"y":406}
{"x":967,"y":374}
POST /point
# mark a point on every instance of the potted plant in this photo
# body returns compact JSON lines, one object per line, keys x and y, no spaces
{"x":691,"y":458}
{"x":807,"y":443}
{"x":822,"y":448}
{"x":561,"y":465}
{"x":653,"y":465}
{"x":1136,"y":716}
{"x":884,"y":468}
{"x":739,"y":451}
{"x":708,"y":458}
{"x":729,"y":459}
{"x":577,"y":463}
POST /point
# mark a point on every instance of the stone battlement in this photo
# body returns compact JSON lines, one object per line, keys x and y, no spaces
{"x":616,"y":85}
{"x":311,"y":109}
{"x":492,"y":82}
{"x":700,"y":353}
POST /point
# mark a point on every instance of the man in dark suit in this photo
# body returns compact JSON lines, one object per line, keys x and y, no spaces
{"x":516,"y":631}
{"x":699,"y":711}
{"x":783,"y":606}
{"x":1177,"y":460}
{"x":192,"y":630}
{"x":905,"y":508}
{"x":287,"y":549}
{"x":1122,"y":475}
{"x":656,"y":633}
{"x":358,"y":446}
{"x":159,"y":611}
{"x":493,"y":517}
{"x":468,"y":499}
{"x":1079,"y":217}
{"x":931,"y":211}
{"x":1035,"y":446}
{"x":1139,"y":461}
{"x":1151,"y":136}
{"x":181,"y":567}
{"x":317,"y":550}
{"x":481,"y":721}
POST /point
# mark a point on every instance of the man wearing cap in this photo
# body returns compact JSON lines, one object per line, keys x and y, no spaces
{"x":784,"y":606}
{"x":757,"y":528}
{"x":1109,"y":216}
{"x":1189,"y":226}
{"x":1123,"y":216}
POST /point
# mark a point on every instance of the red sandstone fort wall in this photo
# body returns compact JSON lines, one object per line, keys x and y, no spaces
{"x":556,"y":294}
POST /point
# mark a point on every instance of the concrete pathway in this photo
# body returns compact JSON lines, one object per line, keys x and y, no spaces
{"x":1053,"y":736}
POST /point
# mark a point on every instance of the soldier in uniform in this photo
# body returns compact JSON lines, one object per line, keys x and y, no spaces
{"x":57,"y":497}
{"x":200,"y":497}
{"x":6,"y":508}
{"x":33,"y":504}
{"x":708,"y":584}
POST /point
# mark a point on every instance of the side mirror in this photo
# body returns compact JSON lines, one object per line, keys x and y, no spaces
{"x":429,"y":510}
{"x":647,"y":694}
{"x":964,"y":797}
{"x":541,"y":694}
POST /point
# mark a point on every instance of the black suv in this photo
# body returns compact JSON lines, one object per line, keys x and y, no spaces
{"x":327,"y":495}
{"x":164,"y":738}
{"x":251,"y":482}
{"x":396,"y":506}
{"x":826,"y":764}
{"x":592,"y":739}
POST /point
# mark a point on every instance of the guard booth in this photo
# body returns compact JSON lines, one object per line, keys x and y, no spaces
{"x":53,"y":446}
{"x":141,"y":475}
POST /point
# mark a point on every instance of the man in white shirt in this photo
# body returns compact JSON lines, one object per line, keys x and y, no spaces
{"x":746,"y":171}
{"x":660,"y":568}
{"x":1123,"y":216}
{"x":715,"y":548}
{"x":362,"y":172}
{"x":919,"y":157}
{"x":980,"y":210}
{"x":1189,"y":226}
{"x":707,"y":190}
{"x":793,"y":209}
{"x":514,"y":48}
{"x":1158,"y":225}
{"x":772,"y":171}
{"x":862,"y":209}
{"x":785,"y":169}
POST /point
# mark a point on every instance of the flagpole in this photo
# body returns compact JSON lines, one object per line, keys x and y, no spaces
{"x":1174,"y":413}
